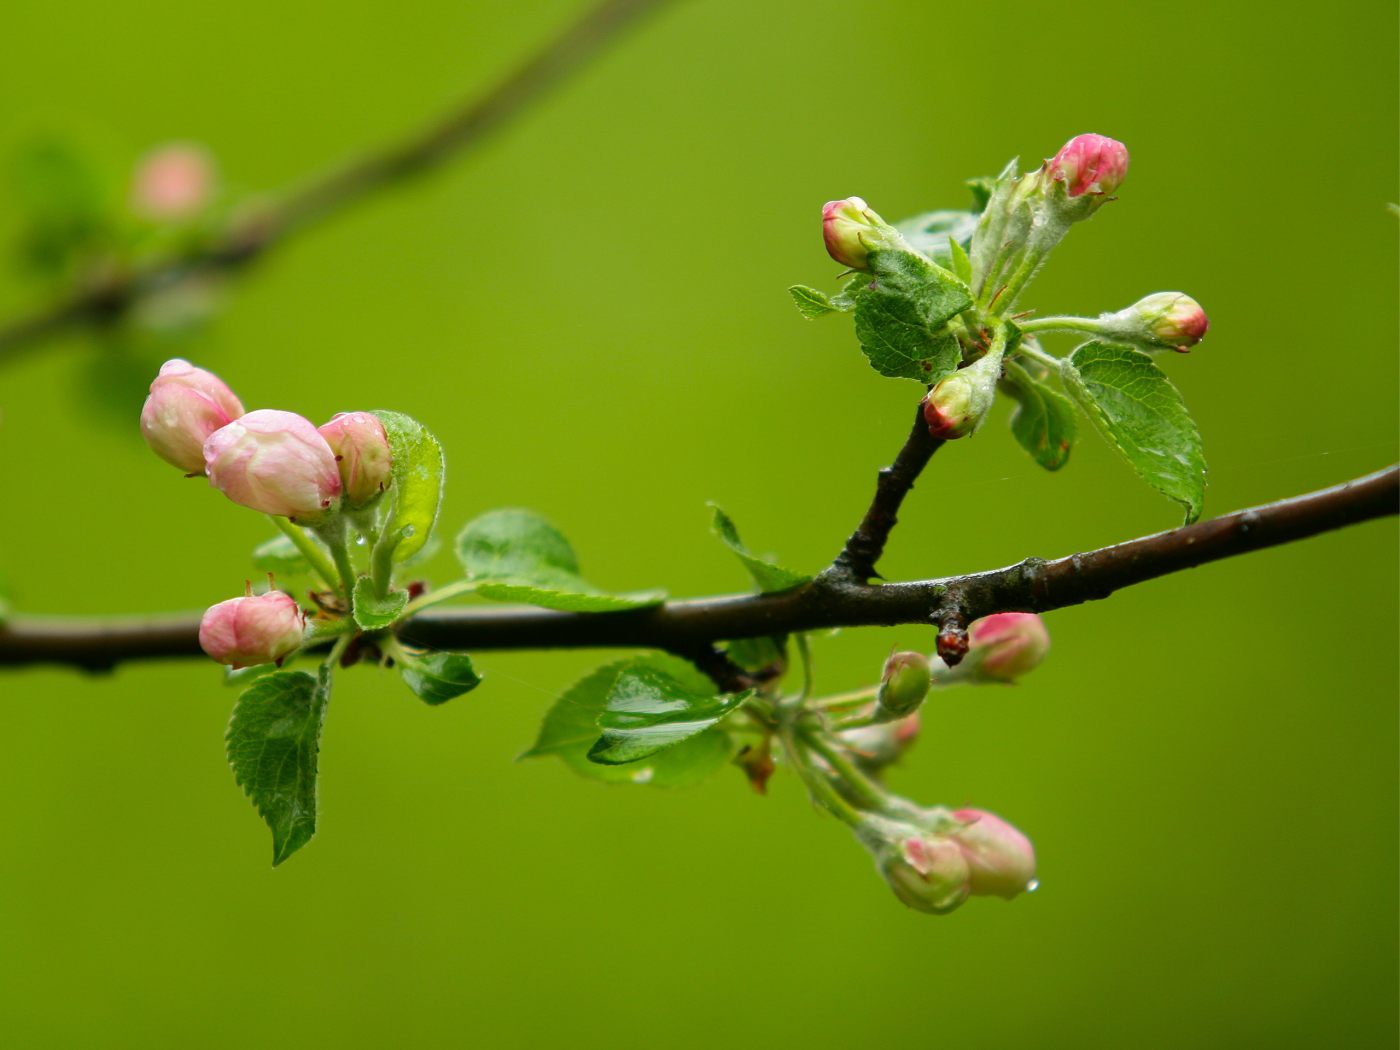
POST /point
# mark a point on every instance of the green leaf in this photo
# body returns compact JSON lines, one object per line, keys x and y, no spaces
{"x":417,"y":481}
{"x":754,"y":654}
{"x":280,"y":555}
{"x":810,"y":302}
{"x":768,"y":577}
{"x":961,"y":264}
{"x":934,"y":232}
{"x":649,"y":711}
{"x":373,"y":612}
{"x":273,"y":741}
{"x":570,"y":728}
{"x":1043,"y":421}
{"x":437,"y":677}
{"x":901,"y":317}
{"x":845,"y":299}
{"x":518,"y":556}
{"x":981,"y":188}
{"x":65,"y":206}
{"x":1139,"y":412}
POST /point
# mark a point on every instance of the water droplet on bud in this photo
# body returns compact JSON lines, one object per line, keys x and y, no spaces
{"x":1033,"y":885}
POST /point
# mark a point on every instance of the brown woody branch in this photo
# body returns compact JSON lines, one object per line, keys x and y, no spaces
{"x":691,"y":627}
{"x":250,"y":236}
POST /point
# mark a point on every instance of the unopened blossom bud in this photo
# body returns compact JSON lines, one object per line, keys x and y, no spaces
{"x":186,"y":405}
{"x":1007,"y":645}
{"x":853,"y":230}
{"x":274,"y":462}
{"x":903,"y":686}
{"x":1161,"y":321}
{"x":1092,"y":164}
{"x":361,"y":450}
{"x":1000,"y":859}
{"x":173,"y":182}
{"x":927,"y":872}
{"x":958,"y":404}
{"x":245,"y":632}
{"x":879,"y":745}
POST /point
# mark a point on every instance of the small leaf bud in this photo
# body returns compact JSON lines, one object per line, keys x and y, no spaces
{"x":903,"y":686}
{"x":1092,"y":164}
{"x":245,"y":632}
{"x":186,"y":405}
{"x":173,"y":182}
{"x":1005,"y":646}
{"x":1000,"y":859}
{"x":274,"y":462}
{"x":361,"y":450}
{"x":853,"y":230}
{"x":1161,"y":321}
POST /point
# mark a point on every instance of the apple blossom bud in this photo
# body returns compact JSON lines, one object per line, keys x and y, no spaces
{"x":1007,"y":645}
{"x":1000,"y":859}
{"x":927,"y":872}
{"x":186,"y":405}
{"x":903,"y":686}
{"x":274,"y":462}
{"x":877,"y":746}
{"x":173,"y":182}
{"x":245,"y":632}
{"x":361,"y":450}
{"x":958,"y":404}
{"x":1093,"y":164}
{"x":853,"y":230}
{"x":1161,"y":321}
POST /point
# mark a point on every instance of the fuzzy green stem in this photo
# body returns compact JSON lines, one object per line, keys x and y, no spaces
{"x":1053,"y":363}
{"x":317,"y":559}
{"x":442,"y":594}
{"x":333,"y":535}
{"x":381,"y":561}
{"x":1060,"y":324}
{"x":871,"y":795}
{"x":818,"y":786}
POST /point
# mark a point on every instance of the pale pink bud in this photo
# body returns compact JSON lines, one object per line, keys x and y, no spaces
{"x":245,"y":632}
{"x":1007,"y":645}
{"x":274,"y":462}
{"x":1171,"y":319}
{"x":186,"y":405}
{"x":852,"y":230}
{"x":361,"y":449}
{"x":1090,"y":164}
{"x":927,"y":872}
{"x":173,"y":182}
{"x":1000,"y":859}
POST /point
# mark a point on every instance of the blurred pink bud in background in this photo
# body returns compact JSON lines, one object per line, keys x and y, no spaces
{"x":1007,"y":645}
{"x":173,"y":182}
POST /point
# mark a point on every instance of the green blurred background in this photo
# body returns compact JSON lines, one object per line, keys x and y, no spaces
{"x":591,"y":315}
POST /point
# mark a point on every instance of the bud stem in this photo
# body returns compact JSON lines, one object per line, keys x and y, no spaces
{"x":442,"y":594}
{"x":1060,"y":324}
{"x":332,"y":534}
{"x":818,"y":785}
{"x":871,"y":795}
{"x":320,"y":564}
{"x":1049,"y":361}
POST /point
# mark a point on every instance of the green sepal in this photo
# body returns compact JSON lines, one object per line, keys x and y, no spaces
{"x":1043,"y":421}
{"x":901,"y":317}
{"x":273,"y":743}
{"x":416,"y":485}
{"x":436,"y":677}
{"x":811,"y":303}
{"x":518,"y":556}
{"x":768,"y":577}
{"x":570,"y":728}
{"x":373,"y":612}
{"x":648,"y":711}
{"x":1133,"y":404}
{"x":961,"y":264}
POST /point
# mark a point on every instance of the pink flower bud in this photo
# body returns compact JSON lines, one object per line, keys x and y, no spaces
{"x":877,"y":746}
{"x":1007,"y":645}
{"x":1000,"y":860}
{"x":852,"y":230}
{"x":927,"y":872}
{"x":244,"y":632}
{"x":1090,"y":164}
{"x":274,"y":462}
{"x":950,"y":409}
{"x":359,"y":445}
{"x":186,"y":405}
{"x":1170,"y":320}
{"x":903,"y":685}
{"x":173,"y":182}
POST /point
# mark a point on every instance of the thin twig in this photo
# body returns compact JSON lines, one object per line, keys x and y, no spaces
{"x":690,"y":628}
{"x":251,"y":235}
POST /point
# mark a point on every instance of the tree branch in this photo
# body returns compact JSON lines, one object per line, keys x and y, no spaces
{"x":691,"y":627}
{"x":250,"y":236}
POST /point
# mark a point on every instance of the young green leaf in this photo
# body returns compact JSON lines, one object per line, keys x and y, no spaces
{"x":901,"y":317}
{"x":416,"y":489}
{"x":961,"y":264}
{"x":649,"y":711}
{"x":1139,"y":412}
{"x":810,"y":302}
{"x":934,"y":232}
{"x":518,"y":556}
{"x":436,"y":677}
{"x":570,"y":728}
{"x":373,"y":612}
{"x":768,"y":577}
{"x":273,"y":741}
{"x":280,"y":555}
{"x":754,"y":654}
{"x":1043,"y":421}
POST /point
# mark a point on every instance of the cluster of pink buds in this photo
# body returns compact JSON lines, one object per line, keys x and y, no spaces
{"x":972,"y":853}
